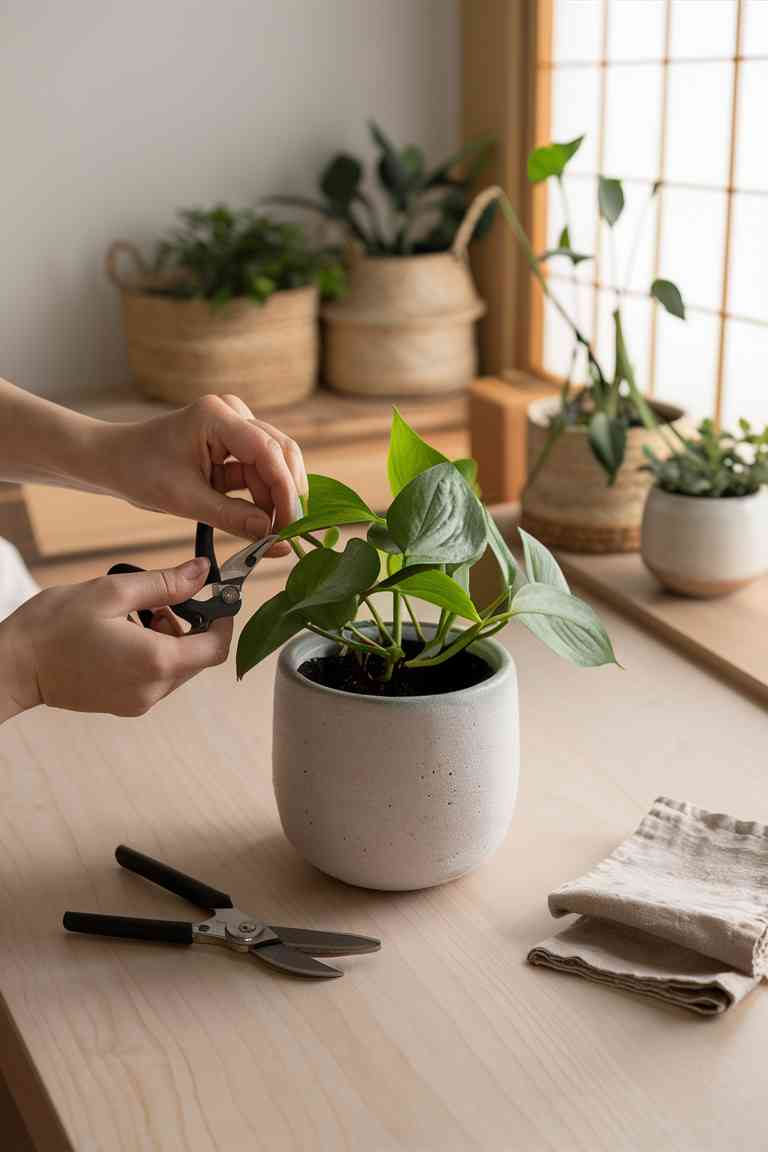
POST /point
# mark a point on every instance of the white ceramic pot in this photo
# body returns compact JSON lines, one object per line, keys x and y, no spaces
{"x":395,"y":793}
{"x":701,"y":546}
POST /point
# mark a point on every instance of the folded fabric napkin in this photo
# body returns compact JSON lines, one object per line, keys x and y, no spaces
{"x":678,"y":912}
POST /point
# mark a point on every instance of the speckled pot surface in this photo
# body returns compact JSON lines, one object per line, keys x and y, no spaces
{"x":395,"y":794}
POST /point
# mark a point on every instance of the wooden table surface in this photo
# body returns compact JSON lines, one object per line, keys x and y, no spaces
{"x":446,"y":1040}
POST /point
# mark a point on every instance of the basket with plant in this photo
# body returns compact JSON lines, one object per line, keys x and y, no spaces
{"x":228,"y":305}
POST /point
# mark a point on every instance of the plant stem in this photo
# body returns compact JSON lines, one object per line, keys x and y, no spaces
{"x":512,"y":219}
{"x":414,"y":620}
{"x":371,"y":645}
{"x":297,"y":548}
{"x":313,"y":540}
{"x":342,"y":641}
{"x":384,"y":632}
{"x":397,"y":625}
{"x":453,"y":649}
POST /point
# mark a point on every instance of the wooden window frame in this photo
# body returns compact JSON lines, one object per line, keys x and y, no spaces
{"x":507,"y":54}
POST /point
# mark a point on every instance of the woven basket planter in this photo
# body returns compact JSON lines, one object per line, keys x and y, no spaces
{"x":179,"y":350}
{"x":570,"y":505}
{"x":407,"y":323}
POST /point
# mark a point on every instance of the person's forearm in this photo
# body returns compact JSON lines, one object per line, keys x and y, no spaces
{"x":45,"y":442}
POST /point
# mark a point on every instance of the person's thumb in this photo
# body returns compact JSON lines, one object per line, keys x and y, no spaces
{"x":130,"y":591}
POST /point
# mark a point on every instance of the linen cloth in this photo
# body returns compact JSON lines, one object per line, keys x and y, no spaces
{"x":678,"y":912}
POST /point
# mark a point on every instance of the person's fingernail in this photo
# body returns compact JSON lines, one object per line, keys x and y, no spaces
{"x":256,"y":526}
{"x":194,"y":569}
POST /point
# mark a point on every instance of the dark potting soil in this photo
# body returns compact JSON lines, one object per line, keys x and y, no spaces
{"x":343,"y":672}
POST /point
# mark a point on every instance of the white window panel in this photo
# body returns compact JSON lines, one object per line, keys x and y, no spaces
{"x":701,"y":28}
{"x":635,"y":29}
{"x":558,"y":337}
{"x":636,"y":325}
{"x":746,"y":374}
{"x":686,"y":361}
{"x":581,"y":194}
{"x":699,"y":123}
{"x":755,"y":33}
{"x":575,"y":112}
{"x":748,"y":294}
{"x":578,"y":30}
{"x":693,"y":244}
{"x":576,"y":297}
{"x":751,"y":151}
{"x":635,"y":232}
{"x":632,"y":121}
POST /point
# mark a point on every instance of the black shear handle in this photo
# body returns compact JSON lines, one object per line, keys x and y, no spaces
{"x":194,"y":612}
{"x":185,"y":886}
{"x":129,"y":927}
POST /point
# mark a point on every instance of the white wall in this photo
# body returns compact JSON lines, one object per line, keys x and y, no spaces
{"x":115,"y":112}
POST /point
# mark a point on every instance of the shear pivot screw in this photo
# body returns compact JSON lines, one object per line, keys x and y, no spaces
{"x":230,"y":594}
{"x":246,"y":927}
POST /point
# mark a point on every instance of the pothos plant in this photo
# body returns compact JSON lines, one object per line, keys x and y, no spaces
{"x":610,"y":401}
{"x":434,"y":530}
{"x":424,"y":206}
{"x":220,"y":254}
{"x":715,"y":463}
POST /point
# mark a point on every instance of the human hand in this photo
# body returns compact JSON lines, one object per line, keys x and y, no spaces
{"x":72,"y":647}
{"x":188,"y":461}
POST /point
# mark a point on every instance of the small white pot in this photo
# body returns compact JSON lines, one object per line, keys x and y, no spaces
{"x":702,"y":546}
{"x":395,"y":793}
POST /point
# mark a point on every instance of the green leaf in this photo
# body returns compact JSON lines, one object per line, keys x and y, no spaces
{"x":468,"y":469}
{"x":330,"y":504}
{"x":668,"y":295}
{"x":610,"y":199}
{"x":574,"y":257}
{"x":341,"y":179}
{"x":564,"y":240}
{"x":325,"y":577}
{"x":437,"y":588}
{"x":625,"y":371}
{"x":565,"y":624}
{"x":540,"y":565}
{"x":506,"y":561}
{"x":392,"y":170}
{"x":269,"y":627}
{"x":437,"y":518}
{"x":551,"y":160}
{"x":608,"y":439}
{"x":474,"y":151}
{"x":409,"y":455}
{"x":379,"y":536}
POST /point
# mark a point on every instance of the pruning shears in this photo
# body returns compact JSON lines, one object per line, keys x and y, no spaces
{"x":291,"y":950}
{"x":226,"y":583}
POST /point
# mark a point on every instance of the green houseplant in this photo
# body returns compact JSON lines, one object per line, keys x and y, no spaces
{"x":395,"y":741}
{"x":406,"y":324}
{"x":230,"y":305}
{"x":577,"y":495}
{"x":220,"y":254}
{"x":424,"y":205}
{"x":705,"y":525}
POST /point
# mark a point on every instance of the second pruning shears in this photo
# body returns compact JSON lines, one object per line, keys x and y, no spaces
{"x":226,"y":583}
{"x":290,"y":950}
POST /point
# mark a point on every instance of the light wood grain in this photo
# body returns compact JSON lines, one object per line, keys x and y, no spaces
{"x":444,"y":1042}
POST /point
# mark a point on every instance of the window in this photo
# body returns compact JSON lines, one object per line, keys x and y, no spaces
{"x":674,"y":91}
